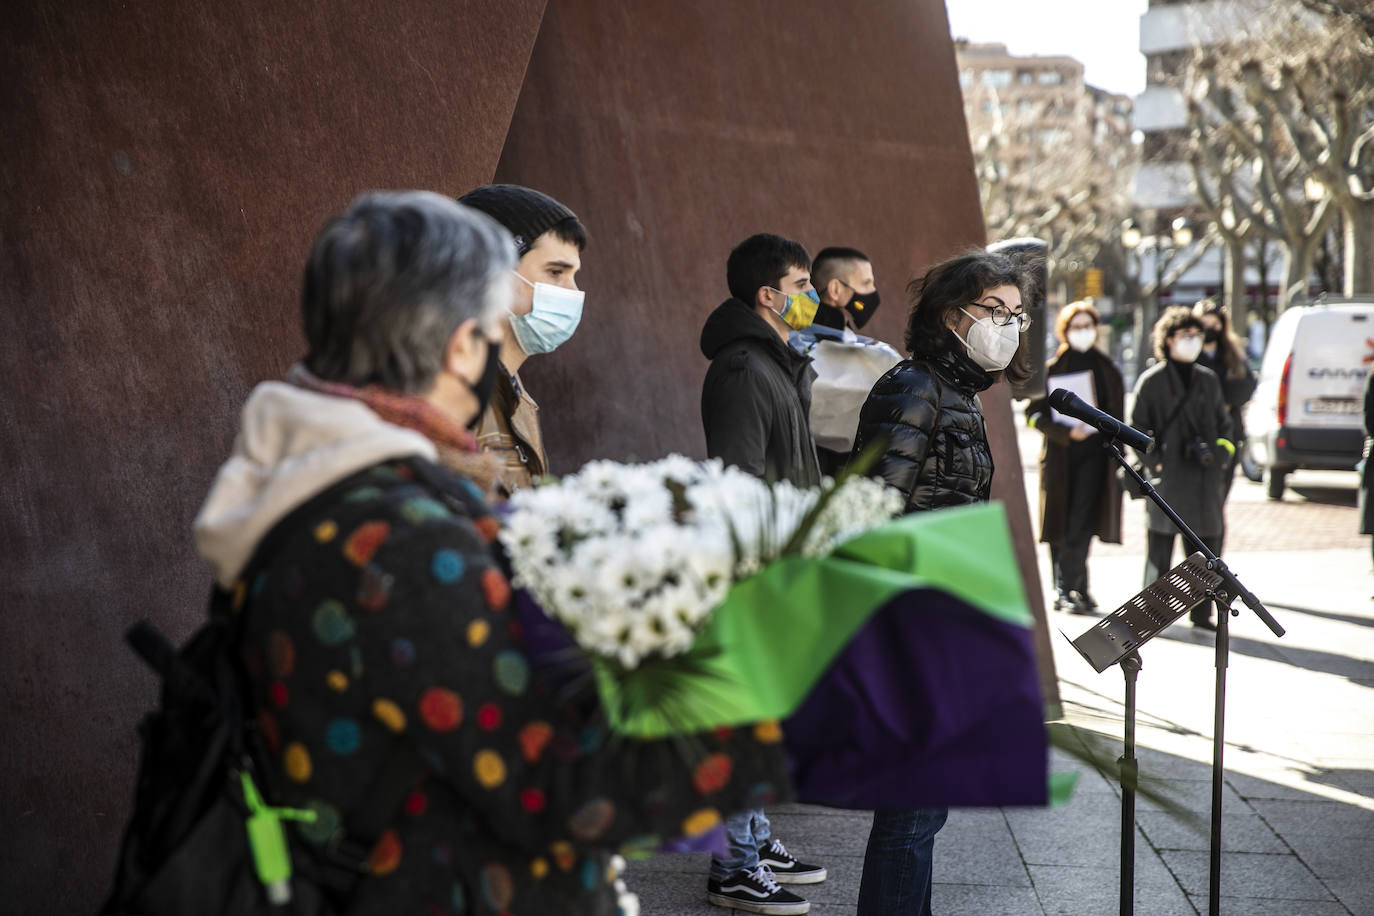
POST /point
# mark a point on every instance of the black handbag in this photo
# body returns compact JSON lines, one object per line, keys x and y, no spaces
{"x":186,"y":849}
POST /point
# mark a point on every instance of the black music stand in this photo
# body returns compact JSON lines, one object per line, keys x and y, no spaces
{"x":1115,"y":640}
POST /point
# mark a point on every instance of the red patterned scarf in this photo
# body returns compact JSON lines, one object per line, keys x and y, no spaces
{"x":457,"y":446}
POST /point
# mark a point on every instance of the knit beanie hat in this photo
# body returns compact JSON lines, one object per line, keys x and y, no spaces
{"x":526,"y":213}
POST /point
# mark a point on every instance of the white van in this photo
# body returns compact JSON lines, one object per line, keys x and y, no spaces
{"x":1308,"y":407}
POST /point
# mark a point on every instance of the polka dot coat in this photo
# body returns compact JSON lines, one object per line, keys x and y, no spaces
{"x":384,"y":617}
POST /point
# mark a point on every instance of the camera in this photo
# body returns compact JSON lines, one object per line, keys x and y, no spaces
{"x":1196,"y":449}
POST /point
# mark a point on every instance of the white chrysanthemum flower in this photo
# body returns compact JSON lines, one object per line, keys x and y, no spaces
{"x":683,"y":470}
{"x":646,"y":507}
{"x":530,"y":533}
{"x":634,"y":558}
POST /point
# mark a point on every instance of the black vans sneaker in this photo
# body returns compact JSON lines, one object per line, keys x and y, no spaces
{"x":785,"y":868}
{"x":755,"y":892}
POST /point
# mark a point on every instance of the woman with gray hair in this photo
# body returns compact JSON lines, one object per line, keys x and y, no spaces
{"x":389,"y":679}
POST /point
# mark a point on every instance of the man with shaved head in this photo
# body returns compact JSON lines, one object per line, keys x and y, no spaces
{"x":843,"y":278}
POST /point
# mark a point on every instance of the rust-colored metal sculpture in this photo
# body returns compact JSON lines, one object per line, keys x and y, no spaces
{"x":167,"y":165}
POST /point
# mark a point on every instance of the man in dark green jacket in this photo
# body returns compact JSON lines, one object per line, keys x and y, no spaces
{"x":755,"y":405}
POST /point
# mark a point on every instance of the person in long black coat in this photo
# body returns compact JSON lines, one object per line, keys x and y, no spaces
{"x":966,"y":332}
{"x":1181,"y":405}
{"x":1079,"y":493}
{"x":1367,"y":472}
{"x":1224,"y":355}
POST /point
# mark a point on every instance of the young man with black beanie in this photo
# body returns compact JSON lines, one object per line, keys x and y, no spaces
{"x":545,"y":311}
{"x":754,"y":407}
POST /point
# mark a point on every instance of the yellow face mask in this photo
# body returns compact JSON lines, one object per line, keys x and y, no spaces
{"x":800,"y":310}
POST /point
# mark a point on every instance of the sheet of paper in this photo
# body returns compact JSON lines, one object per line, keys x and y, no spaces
{"x":1079,"y":383}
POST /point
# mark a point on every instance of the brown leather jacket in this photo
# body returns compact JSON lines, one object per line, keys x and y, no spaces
{"x":510,"y":432}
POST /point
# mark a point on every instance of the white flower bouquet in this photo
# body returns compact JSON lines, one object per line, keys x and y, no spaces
{"x":633,"y":558}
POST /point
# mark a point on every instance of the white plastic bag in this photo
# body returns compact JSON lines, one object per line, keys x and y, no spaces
{"x":845,"y":373}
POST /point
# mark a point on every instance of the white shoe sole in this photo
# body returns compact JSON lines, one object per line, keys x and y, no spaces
{"x":770,"y":909}
{"x":815,"y":877}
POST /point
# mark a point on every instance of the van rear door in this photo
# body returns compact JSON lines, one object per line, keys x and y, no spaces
{"x":1332,"y":352}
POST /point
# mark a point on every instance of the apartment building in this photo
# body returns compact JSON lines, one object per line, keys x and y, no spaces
{"x":1170,"y":31}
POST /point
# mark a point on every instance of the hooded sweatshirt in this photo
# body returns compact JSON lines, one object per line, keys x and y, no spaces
{"x":292,"y":444}
{"x":756,"y":400}
{"x":380,"y":620}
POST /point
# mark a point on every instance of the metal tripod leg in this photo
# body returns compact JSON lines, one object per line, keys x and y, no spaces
{"x":1223,"y":660}
{"x":1128,"y":772}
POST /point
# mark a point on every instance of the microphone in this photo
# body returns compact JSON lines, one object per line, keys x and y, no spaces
{"x":1071,"y":405}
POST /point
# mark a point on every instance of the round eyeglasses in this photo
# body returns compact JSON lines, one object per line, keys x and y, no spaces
{"x":1003,"y":316}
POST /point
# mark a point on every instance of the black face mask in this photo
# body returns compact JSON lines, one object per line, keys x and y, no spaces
{"x":486,"y":382}
{"x":1211,"y":335}
{"x":861,"y":306}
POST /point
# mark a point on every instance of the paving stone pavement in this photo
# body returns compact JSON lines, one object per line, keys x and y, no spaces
{"x":1298,"y":825}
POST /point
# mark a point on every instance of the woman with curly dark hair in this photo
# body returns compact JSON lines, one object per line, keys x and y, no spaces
{"x":965,"y":333}
{"x":1079,"y":494}
{"x":1180,"y":404}
{"x":1223,"y":354}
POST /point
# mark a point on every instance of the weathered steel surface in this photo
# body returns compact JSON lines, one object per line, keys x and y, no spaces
{"x":166,"y":166}
{"x":675,"y":131}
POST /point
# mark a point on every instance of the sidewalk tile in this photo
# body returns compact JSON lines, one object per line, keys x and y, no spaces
{"x":1360,"y":781}
{"x":819,"y":810}
{"x":1289,"y":783}
{"x":1070,"y":891}
{"x":678,"y":895}
{"x":1250,"y":906}
{"x":1190,"y":794}
{"x":1352,"y":857}
{"x":1084,"y":837}
{"x":685,"y":863}
{"x":970,"y":852}
{"x":1240,"y":832}
{"x":1247,"y":874}
{"x":1355,"y":893}
{"x":1320,"y":818}
{"x":955,"y":899}
{"x":812,"y":837}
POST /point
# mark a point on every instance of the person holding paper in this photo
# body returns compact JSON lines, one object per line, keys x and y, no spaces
{"x":1079,"y":496}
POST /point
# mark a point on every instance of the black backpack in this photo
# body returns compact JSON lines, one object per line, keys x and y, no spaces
{"x":198,"y":794}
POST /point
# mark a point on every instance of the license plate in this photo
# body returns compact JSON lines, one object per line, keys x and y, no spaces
{"x":1328,"y":406}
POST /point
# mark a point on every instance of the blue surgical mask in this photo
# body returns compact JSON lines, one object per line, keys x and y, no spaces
{"x":552,"y":320}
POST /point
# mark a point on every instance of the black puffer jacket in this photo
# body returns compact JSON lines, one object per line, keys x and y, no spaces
{"x":756,"y":400}
{"x":937,"y":450}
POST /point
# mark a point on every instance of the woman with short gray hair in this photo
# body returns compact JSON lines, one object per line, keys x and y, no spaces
{"x":388,"y":675}
{"x":389,"y":281}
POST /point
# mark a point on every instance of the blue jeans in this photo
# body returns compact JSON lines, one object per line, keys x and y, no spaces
{"x":898,"y":862}
{"x":744,"y":834}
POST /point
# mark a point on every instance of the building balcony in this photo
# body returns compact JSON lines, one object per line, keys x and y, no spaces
{"x":1160,"y":108}
{"x":1162,"y":186}
{"x":1187,"y":25}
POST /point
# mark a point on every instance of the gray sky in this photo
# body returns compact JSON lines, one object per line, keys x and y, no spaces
{"x":1103,"y":34}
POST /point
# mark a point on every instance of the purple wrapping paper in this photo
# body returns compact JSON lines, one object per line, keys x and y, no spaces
{"x":934,"y":703}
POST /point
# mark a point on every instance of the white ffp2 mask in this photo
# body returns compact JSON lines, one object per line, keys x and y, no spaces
{"x":989,"y":345}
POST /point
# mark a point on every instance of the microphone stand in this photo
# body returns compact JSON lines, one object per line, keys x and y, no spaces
{"x":1229,"y":590}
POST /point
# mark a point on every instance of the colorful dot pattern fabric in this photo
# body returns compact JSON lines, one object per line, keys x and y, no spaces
{"x":383,"y":618}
